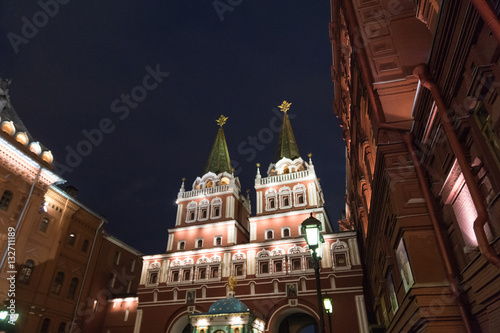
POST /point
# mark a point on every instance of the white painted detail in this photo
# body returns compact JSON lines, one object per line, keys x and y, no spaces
{"x":180,"y":207}
{"x":170,"y":242}
{"x":259,"y":202}
{"x":253,"y":231}
{"x":138,"y":321}
{"x":361,"y":311}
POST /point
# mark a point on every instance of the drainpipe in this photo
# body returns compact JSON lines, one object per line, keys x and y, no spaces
{"x":489,"y":17}
{"x":450,"y":274}
{"x":477,"y":197}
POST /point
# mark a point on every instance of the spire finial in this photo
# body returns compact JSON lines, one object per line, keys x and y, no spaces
{"x":222,"y":120}
{"x":285,"y":106}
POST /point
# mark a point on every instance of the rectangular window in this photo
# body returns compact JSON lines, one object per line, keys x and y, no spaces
{"x":117,"y":257}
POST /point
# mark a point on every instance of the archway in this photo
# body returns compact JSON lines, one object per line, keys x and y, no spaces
{"x":298,"y":323}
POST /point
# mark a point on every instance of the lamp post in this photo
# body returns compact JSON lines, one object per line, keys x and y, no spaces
{"x":311,"y":227}
{"x":327,"y":302}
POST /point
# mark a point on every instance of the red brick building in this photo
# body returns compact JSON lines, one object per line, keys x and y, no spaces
{"x":216,"y":238}
{"x":416,"y":86}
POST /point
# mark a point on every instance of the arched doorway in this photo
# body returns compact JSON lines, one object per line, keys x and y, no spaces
{"x":298,"y":323}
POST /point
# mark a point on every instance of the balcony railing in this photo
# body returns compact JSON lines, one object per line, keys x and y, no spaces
{"x":284,"y":177}
{"x":205,"y":191}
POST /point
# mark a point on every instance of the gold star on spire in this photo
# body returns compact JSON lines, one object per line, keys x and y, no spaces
{"x":284,"y":106}
{"x":222,"y":120}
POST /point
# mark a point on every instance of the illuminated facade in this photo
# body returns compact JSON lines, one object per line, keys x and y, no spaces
{"x":423,"y":176}
{"x":61,"y":275}
{"x":215,"y":240}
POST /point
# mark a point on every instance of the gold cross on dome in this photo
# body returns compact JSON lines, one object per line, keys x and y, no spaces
{"x":284,"y":106}
{"x":222,"y":120}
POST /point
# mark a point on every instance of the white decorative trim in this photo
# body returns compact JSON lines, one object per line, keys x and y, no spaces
{"x":203,"y":212}
{"x":191,"y":211}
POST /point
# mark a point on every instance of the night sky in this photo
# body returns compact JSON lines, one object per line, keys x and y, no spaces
{"x":85,"y":70}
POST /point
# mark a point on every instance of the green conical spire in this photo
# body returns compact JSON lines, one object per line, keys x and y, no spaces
{"x":287,"y":146}
{"x":219,"y":160}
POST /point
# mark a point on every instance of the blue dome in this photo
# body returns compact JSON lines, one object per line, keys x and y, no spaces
{"x":228,"y":305}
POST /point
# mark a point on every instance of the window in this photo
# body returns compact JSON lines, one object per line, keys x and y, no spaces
{"x":239,"y":269}
{"x":199,"y":243}
{"x":285,"y":232}
{"x":296,"y":265}
{"x":218,"y":240}
{"x":153,"y":278}
{"x":214,"y":273}
{"x":203,"y":273}
{"x":117,"y":257}
{"x":6,"y":199}
{"x":44,"y":224}
{"x":340,"y":252}
{"x":278,"y":267}
{"x":45,"y":326}
{"x":85,"y":245}
{"x":269,"y":234}
{"x":62,"y":328}
{"x":285,"y":197}
{"x":26,"y":272}
{"x":203,"y":210}
{"x":71,"y":239}
{"x":264,"y":267}
{"x":57,"y":284}
{"x":175,"y":276}
{"x":181,"y":245}
{"x":271,"y":199}
{"x":209,"y":184}
{"x":299,"y":194}
{"x":224,"y":181}
{"x":340,"y":260}
{"x":216,"y":208}
{"x":191,"y":212}
{"x":187,"y":275}
{"x":72,"y":288}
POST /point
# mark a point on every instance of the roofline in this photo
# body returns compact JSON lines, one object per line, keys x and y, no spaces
{"x":121,"y":244}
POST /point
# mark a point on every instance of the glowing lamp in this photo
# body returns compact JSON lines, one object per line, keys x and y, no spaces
{"x":327,"y":302}
{"x":3,"y":315}
{"x":311,"y":227}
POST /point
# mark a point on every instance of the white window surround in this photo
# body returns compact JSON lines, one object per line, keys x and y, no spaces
{"x":299,"y":190}
{"x":203,"y":210}
{"x":191,"y":211}
{"x":271,"y":196}
{"x":197,"y":243}
{"x":285,"y":196}
{"x":283,"y":232}
{"x":266,"y":234}
{"x":215,"y":240}
{"x":340,"y":248}
{"x":214,"y":212}
{"x":181,"y":245}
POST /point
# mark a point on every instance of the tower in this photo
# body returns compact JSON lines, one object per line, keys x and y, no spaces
{"x":218,"y":256}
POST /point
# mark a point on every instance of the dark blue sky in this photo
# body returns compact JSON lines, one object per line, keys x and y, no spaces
{"x":72,"y":71}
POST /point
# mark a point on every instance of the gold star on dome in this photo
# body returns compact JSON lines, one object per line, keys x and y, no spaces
{"x":222,"y":120}
{"x":284,"y":106}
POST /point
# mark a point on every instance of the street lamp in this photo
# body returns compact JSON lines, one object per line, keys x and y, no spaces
{"x":311,"y":227}
{"x":327,"y":302}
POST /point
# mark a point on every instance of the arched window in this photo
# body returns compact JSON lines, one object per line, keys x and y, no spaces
{"x":264,"y":267}
{"x":44,"y":224}
{"x":191,"y":212}
{"x":153,"y":278}
{"x":58,"y":282}
{"x":27,"y":271}
{"x":216,"y":208}
{"x":271,"y":196}
{"x":45,"y":326}
{"x":175,"y":276}
{"x":296,"y":264}
{"x":203,"y":273}
{"x":182,"y":245}
{"x":62,"y":328}
{"x":199,"y":243}
{"x":214,"y":273}
{"x":85,"y":245}
{"x":6,"y":199}
{"x":209,"y":184}
{"x":203,"y":210}
{"x":285,"y":197}
{"x":218,"y":241}
{"x":269,"y":234}
{"x":72,"y":288}
{"x":299,"y":194}
{"x":286,"y":232}
{"x":187,"y":275}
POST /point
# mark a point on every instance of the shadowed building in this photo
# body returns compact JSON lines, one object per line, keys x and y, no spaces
{"x":416,"y":86}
